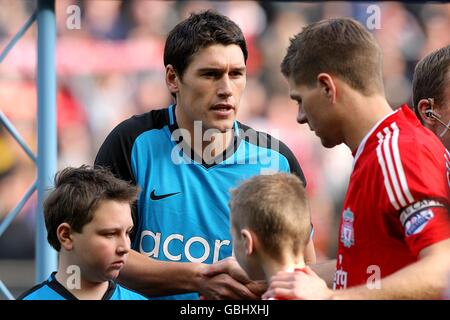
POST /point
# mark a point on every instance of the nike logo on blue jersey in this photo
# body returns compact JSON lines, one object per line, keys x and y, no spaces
{"x":153,"y":196}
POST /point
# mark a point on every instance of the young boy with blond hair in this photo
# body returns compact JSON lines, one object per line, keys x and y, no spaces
{"x":271,"y":225}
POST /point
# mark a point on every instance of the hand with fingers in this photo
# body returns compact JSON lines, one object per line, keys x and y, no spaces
{"x":300,"y":285}
{"x":226,"y":280}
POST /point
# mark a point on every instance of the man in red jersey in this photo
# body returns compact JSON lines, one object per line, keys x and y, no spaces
{"x":394,"y":237}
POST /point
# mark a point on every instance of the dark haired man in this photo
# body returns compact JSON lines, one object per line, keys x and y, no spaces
{"x":431,"y":93}
{"x":186,"y":158}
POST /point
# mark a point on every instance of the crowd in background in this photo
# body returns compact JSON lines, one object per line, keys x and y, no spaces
{"x":111,"y":68}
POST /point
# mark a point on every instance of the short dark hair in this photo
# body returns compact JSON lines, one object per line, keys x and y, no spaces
{"x":275,"y":207}
{"x":78,"y":193}
{"x":431,"y":77}
{"x":199,"y":31}
{"x":341,"y":47}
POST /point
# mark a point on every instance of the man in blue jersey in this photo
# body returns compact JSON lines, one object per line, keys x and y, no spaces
{"x":88,"y":220}
{"x":186,"y":158}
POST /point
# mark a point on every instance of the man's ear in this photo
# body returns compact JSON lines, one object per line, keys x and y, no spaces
{"x":327,"y":86}
{"x":422,"y":107}
{"x":172,"y":79}
{"x":64,"y":234}
{"x":249,"y":241}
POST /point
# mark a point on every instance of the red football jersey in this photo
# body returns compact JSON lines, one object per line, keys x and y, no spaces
{"x":397,"y":200}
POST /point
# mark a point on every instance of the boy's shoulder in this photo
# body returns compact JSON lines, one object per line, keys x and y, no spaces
{"x":43,"y":291}
{"x":51,"y":289}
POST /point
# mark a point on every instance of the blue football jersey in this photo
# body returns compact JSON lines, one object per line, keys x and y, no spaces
{"x":51,"y":289}
{"x":182,"y":213}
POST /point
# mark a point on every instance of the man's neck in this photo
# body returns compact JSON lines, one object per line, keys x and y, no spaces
{"x":362,"y":115}
{"x":81,"y":288}
{"x":209,"y":145}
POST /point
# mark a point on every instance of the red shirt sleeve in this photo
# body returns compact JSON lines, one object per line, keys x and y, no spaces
{"x":426,"y":217}
{"x":426,"y":227}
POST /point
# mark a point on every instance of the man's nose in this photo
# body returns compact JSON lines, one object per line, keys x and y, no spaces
{"x":224,"y":89}
{"x":301,"y":116}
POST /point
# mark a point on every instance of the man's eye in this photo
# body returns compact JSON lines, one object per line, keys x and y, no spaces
{"x":211,"y":74}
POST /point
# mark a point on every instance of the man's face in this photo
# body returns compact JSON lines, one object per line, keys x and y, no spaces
{"x":212,"y":86}
{"x":101,"y":249}
{"x":444,"y":112}
{"x":315,"y":109}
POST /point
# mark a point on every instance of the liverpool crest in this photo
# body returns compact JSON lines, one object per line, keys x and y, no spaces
{"x":347,"y":234}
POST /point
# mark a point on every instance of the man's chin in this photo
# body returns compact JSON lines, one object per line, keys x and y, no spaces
{"x":329,"y":144}
{"x":222,"y":126}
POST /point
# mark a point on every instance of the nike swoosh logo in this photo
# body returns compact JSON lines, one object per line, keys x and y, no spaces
{"x":153,"y":196}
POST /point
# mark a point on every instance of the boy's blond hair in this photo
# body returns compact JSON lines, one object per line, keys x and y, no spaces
{"x":276,"y":209}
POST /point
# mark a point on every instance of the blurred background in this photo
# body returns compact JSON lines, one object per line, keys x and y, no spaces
{"x":111,"y":67}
